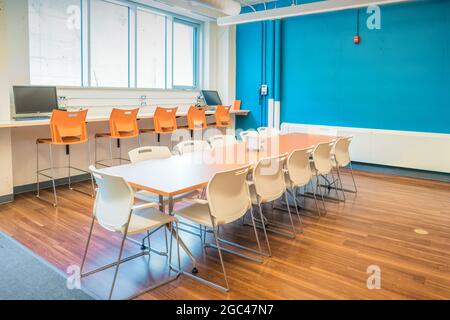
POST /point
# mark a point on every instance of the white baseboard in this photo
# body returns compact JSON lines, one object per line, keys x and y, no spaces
{"x":406,"y":149}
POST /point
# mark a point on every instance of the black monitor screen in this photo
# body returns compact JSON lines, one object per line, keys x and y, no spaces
{"x":211,"y":98}
{"x":29,"y":100}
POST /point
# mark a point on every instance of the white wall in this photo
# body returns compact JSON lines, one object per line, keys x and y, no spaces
{"x":17,"y":145}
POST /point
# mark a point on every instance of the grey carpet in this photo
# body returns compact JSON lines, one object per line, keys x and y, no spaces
{"x":26,"y":276}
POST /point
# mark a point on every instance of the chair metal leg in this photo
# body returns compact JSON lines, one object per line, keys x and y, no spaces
{"x":256,"y":232}
{"x":87,"y":245}
{"x":340,"y":181}
{"x":294,"y":196}
{"x":264,"y":229}
{"x":165,"y":237}
{"x":290,"y":214}
{"x":118,"y":264}
{"x":353,"y":178}
{"x":216,"y":237}
{"x":315,"y":201}
{"x":178,"y":245}
{"x":319,"y":189}
{"x":335,"y":185}
{"x":148,"y":240}
{"x":171,"y":244}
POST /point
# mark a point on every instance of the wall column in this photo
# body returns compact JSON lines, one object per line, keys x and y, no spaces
{"x":6,"y":175}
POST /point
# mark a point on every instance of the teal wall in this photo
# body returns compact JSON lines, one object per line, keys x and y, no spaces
{"x":397,"y":78}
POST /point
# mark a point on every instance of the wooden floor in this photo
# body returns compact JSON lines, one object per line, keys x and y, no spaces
{"x":329,"y":261}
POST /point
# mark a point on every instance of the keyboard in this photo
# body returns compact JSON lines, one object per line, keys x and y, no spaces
{"x":33,"y":118}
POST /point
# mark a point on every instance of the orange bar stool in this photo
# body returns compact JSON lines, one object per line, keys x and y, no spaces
{"x":66,"y":128}
{"x":123,"y":125}
{"x":165,"y":122}
{"x":196,"y":118}
{"x":223,"y":118}
{"x":237,"y":105}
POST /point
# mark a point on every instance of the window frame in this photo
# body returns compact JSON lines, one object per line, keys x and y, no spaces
{"x":195,"y":55}
{"x":133,"y":7}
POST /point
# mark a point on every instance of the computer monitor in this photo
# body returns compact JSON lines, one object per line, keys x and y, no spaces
{"x":211,"y":98}
{"x":34,"y":100}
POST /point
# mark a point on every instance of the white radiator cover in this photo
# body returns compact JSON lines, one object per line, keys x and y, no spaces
{"x":406,"y":149}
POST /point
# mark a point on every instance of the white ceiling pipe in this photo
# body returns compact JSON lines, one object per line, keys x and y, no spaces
{"x":229,"y":7}
{"x":301,"y":10}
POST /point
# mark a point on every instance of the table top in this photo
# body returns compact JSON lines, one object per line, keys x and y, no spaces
{"x":46,"y":122}
{"x":192,"y":171}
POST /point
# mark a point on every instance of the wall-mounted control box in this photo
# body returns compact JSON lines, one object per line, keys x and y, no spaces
{"x":264,"y":90}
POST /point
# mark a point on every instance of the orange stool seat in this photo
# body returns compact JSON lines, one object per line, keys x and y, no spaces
{"x":164,"y":122}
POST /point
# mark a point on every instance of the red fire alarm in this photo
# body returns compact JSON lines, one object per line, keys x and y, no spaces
{"x":356,"y":39}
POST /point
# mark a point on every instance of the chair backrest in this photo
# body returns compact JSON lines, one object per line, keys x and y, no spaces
{"x":165,"y":120}
{"x":268,"y":132}
{"x":322,"y":157}
{"x":223,"y":118}
{"x":228,"y":195}
{"x":149,"y":153}
{"x":299,"y":167}
{"x":222,"y":140}
{"x":342,"y":152}
{"x":250,"y":133}
{"x":68,"y":126}
{"x":196,"y":118}
{"x":269,"y":178}
{"x":237,"y":105}
{"x":123,"y":123}
{"x":113,"y":201}
{"x":191,"y":146}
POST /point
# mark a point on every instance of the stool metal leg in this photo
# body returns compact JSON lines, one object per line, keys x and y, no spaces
{"x":111,"y":152}
{"x":55,"y":204}
{"x":89,"y":162}
{"x":37,"y":171}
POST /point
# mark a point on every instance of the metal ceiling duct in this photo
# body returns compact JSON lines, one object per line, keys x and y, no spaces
{"x":302,"y":9}
{"x":228,"y":7}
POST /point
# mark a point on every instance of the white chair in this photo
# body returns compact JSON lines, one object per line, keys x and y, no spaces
{"x":115,"y":211}
{"x":267,"y":186}
{"x":149,"y":153}
{"x":222,"y":140}
{"x":298,"y":175}
{"x":228,"y":201}
{"x":250,"y":133}
{"x":152,"y":153}
{"x":322,"y":166}
{"x":191,"y":146}
{"x":341,"y":159}
{"x":268,"y":132}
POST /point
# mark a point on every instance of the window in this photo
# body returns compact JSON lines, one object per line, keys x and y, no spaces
{"x":55,"y":42}
{"x":184,"y":54}
{"x":151,"y":50}
{"x":109,"y":45}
